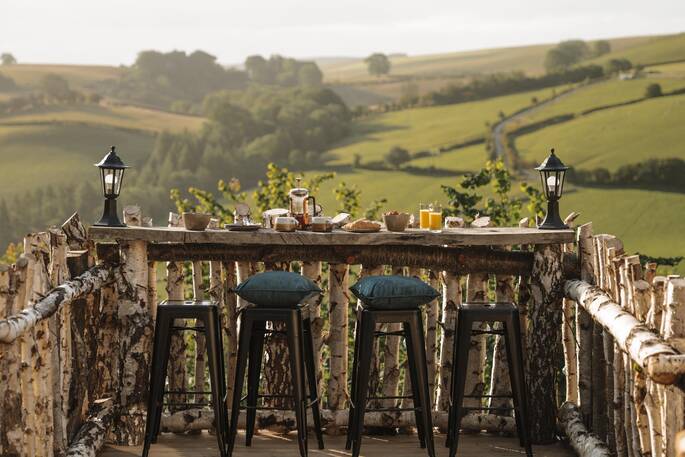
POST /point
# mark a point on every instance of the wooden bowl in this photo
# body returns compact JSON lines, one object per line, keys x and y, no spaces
{"x":196,"y":221}
{"x":396,"y":222}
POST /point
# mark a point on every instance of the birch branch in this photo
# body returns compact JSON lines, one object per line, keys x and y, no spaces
{"x":18,"y":324}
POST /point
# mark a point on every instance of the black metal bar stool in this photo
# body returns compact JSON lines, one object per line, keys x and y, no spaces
{"x":208,"y":313}
{"x":508,"y":315}
{"x":302,"y":365}
{"x":412,"y":330}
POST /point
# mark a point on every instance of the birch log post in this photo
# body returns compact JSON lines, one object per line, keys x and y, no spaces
{"x":567,"y":334}
{"x":476,"y":292}
{"x":136,"y":342}
{"x":584,"y":443}
{"x":230,"y":325}
{"x":176,"y":371}
{"x":62,"y":353}
{"x":543,"y":340}
{"x":276,"y":372}
{"x":200,"y":340}
{"x":216,"y":291}
{"x":391,"y":358}
{"x":499,"y":378}
{"x":655,"y":391}
{"x":451,"y":299}
{"x":432,"y":316}
{"x":375,"y":373}
{"x":312,"y":270}
{"x":11,"y":417}
{"x":407,"y":387}
{"x":40,"y":363}
{"x":599,"y":394}
{"x":584,"y":323}
{"x":337,"y":335}
{"x":673,"y":412}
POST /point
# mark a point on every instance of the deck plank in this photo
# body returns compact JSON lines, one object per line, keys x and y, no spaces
{"x":267,"y":444}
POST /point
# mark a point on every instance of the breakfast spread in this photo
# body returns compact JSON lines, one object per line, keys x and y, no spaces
{"x":362,"y":226}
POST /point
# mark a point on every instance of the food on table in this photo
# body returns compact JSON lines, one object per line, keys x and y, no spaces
{"x":454,"y":222}
{"x":481,"y":222}
{"x":362,"y":225}
{"x":340,"y":219}
{"x":396,"y":221}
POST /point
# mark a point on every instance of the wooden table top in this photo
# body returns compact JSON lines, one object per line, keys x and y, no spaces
{"x":495,"y":236}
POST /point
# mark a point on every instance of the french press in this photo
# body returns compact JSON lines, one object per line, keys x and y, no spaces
{"x":299,"y":204}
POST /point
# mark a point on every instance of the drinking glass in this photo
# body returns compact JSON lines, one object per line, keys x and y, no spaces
{"x":424,"y":216}
{"x":435,"y":218}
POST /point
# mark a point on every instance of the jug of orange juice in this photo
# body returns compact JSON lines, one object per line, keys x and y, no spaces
{"x":435,"y":218}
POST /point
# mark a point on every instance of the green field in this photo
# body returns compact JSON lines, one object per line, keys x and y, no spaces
{"x":470,"y":158}
{"x":39,"y":155}
{"x":29,"y":75}
{"x":57,"y":145}
{"x":116,"y":116}
{"x":601,"y":94}
{"x":654,"y":50}
{"x":426,"y":128}
{"x":521,"y":58}
{"x":615,"y":137}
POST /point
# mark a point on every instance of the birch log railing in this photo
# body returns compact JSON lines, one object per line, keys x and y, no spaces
{"x":74,"y":359}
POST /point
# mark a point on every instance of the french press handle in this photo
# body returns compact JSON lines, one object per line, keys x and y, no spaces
{"x":314,"y":212}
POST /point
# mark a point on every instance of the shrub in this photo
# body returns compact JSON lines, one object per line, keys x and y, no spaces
{"x":653,"y":90}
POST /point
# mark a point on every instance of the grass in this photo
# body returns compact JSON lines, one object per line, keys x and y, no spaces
{"x":39,"y":155}
{"x":466,"y":159}
{"x":669,"y":70}
{"x":30,"y":75}
{"x":601,"y":94}
{"x":117,"y":116}
{"x":520,"y":58}
{"x":610,"y":138}
{"x":426,"y":128}
{"x":654,"y":50}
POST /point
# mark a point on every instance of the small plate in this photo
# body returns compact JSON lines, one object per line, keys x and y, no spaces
{"x":368,"y":230}
{"x":242,"y":228}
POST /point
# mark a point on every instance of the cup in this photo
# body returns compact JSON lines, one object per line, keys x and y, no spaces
{"x":424,"y":216}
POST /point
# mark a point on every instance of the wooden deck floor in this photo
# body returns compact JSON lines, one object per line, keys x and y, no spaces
{"x":266,"y":444}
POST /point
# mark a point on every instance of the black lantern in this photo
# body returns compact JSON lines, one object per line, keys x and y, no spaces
{"x":111,"y":174}
{"x":552,"y":171}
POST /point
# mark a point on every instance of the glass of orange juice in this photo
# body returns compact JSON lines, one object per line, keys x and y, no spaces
{"x":424,"y":216}
{"x":435,"y":218}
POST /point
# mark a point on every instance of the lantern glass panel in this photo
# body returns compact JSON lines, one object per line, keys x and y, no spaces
{"x":111,"y":181}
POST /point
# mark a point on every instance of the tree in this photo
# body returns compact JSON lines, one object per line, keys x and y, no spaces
{"x":653,"y":90}
{"x":378,"y":64}
{"x":601,"y":47}
{"x":614,"y":66}
{"x":6,"y":83}
{"x":55,"y":87}
{"x":397,"y":156}
{"x":309,"y":74}
{"x":7,"y":59}
{"x":565,"y":55}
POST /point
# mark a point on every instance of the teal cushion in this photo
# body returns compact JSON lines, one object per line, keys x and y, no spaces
{"x":393,"y":292}
{"x":277,"y":289}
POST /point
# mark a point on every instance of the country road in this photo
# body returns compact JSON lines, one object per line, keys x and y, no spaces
{"x":499,"y":129}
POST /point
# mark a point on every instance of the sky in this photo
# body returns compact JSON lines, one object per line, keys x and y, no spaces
{"x":113,"y":32}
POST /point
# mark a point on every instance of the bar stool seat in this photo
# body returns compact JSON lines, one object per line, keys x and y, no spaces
{"x":208,"y":313}
{"x":507,"y":314}
{"x":253,"y":330}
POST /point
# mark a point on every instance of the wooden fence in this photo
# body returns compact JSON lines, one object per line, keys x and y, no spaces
{"x":75,"y":360}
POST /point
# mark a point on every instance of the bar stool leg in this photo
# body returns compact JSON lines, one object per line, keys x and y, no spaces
{"x":253,"y":373}
{"x":364,"y":367}
{"x":165,"y":347}
{"x":418,"y":355}
{"x":214,"y":352}
{"x":410,"y":341}
{"x":461,"y":355}
{"x":243,"y":348}
{"x":355,"y":355}
{"x":294,"y":330}
{"x":310,"y":365}
{"x":515,"y":354}
{"x":153,"y":398}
